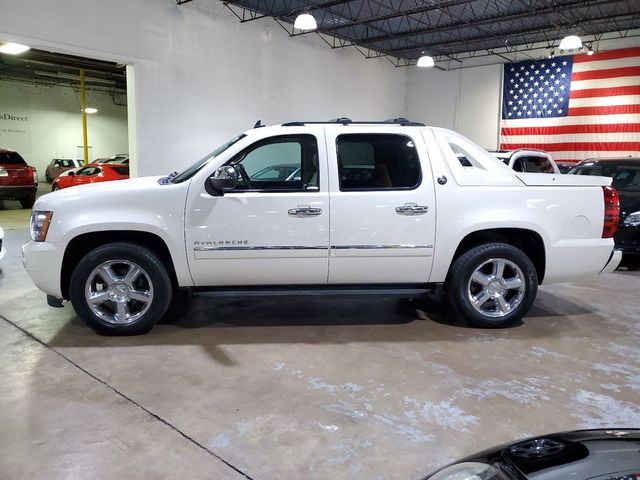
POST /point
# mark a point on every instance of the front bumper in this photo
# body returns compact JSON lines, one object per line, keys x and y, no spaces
{"x":43,"y":263}
{"x":17,"y":192}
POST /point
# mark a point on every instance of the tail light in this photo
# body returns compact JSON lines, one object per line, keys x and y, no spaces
{"x":611,"y":212}
{"x":31,"y":172}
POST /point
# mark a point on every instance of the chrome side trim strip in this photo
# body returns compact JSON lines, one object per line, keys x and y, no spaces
{"x":302,"y":247}
{"x":265,"y":247}
{"x":375,"y":247}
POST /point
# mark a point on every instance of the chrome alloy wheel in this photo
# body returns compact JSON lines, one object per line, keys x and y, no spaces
{"x":496,"y":287}
{"x":118,"y":291}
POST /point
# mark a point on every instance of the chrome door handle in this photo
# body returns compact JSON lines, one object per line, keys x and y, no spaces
{"x":305,"y":211}
{"x":412,"y":209}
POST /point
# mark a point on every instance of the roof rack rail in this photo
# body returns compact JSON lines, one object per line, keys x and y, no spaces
{"x":347,"y":121}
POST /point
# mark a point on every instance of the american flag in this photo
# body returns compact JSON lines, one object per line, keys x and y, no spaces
{"x":574,"y":107}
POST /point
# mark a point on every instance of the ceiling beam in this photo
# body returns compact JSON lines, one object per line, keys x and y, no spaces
{"x":487,"y":21}
{"x":402,"y":13}
{"x":513,"y":33}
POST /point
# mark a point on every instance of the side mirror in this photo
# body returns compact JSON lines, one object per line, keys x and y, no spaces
{"x":223,"y":180}
{"x":71,"y":174}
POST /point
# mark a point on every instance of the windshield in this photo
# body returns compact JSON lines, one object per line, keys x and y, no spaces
{"x":626,"y":176}
{"x":196,"y":167}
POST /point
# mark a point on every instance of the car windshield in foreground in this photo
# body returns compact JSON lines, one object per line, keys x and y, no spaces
{"x":196,"y":167}
{"x":11,"y":158}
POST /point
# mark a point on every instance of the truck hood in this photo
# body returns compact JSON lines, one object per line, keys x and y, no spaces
{"x":100,"y":192}
{"x":550,"y":180}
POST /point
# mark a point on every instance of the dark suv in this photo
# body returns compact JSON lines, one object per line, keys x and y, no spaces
{"x":18,"y":180}
{"x":625,"y":173}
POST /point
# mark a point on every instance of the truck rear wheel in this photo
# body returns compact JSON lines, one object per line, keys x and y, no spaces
{"x":492,"y":285}
{"x":120,"y":289}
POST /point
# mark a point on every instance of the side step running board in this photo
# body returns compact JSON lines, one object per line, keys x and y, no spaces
{"x":320,"y":291}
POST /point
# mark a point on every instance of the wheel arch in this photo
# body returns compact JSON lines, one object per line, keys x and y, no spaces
{"x":82,"y":244}
{"x":529,"y":241}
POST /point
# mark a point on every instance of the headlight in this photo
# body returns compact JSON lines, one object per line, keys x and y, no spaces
{"x":470,"y":471}
{"x":40,"y":222}
{"x":632,"y":220}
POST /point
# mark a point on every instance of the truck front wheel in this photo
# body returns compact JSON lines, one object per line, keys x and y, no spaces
{"x":120,"y":289}
{"x":492,"y":285}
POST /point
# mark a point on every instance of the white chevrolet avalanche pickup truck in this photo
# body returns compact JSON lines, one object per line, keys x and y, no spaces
{"x":338,"y":207}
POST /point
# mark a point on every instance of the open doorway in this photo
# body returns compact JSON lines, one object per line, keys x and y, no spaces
{"x":41,"y":126}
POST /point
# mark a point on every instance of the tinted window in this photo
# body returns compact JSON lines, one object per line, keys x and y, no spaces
{"x":377,"y":162}
{"x":121,"y":170}
{"x":11,"y":158}
{"x":88,"y":171}
{"x":282,"y":163}
{"x":537,"y":165}
{"x":626,"y":177}
{"x":67,"y":163}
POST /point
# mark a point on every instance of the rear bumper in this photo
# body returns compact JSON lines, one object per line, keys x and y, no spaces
{"x":43,"y":263}
{"x":17,"y":192}
{"x":575,"y":259}
{"x":614,"y":261}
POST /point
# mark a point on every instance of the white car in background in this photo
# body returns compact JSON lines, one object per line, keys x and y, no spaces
{"x":528,"y":160}
{"x":3,"y":251}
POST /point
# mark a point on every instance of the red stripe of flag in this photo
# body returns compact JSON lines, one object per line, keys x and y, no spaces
{"x":575,"y":146}
{"x":607,"y":73}
{"x":605,"y":92}
{"x":615,"y":109}
{"x":568,"y":129}
{"x":612,"y":55}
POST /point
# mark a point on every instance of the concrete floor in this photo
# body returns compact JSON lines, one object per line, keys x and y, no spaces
{"x":302,"y":389}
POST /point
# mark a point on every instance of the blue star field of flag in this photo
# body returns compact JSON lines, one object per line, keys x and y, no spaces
{"x":537,"y":89}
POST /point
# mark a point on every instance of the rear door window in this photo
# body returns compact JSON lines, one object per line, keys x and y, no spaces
{"x":377,"y":161}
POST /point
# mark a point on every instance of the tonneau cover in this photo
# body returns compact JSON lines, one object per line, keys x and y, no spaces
{"x":547,"y":179}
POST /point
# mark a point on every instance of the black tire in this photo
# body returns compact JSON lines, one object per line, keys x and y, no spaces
{"x":47,"y":177}
{"x":461,"y":289}
{"x":155,"y":278}
{"x":55,"y":187}
{"x":29,"y":201}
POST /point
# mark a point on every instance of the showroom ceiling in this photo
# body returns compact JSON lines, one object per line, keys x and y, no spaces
{"x":447,"y":29}
{"x":47,"y":68}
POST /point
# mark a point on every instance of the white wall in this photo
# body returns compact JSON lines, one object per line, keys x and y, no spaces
{"x":200,"y":76}
{"x":45,"y":122}
{"x":466,"y":100}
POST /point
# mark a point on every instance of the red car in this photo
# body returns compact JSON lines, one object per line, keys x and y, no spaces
{"x":91,"y":173}
{"x":18,"y":181}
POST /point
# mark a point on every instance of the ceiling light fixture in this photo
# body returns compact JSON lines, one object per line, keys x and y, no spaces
{"x":425,"y":61}
{"x":90,"y":110}
{"x":13,"y":48}
{"x":305,"y":22}
{"x":590,"y":51}
{"x":571,"y":42}
{"x":552,"y":53}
